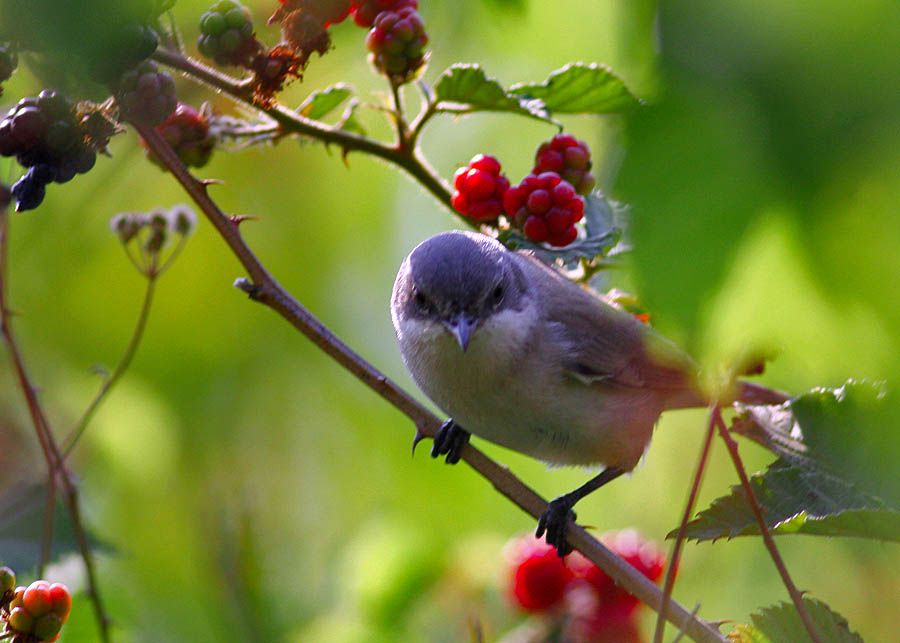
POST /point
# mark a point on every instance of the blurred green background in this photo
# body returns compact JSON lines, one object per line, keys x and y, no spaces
{"x":250,"y":490}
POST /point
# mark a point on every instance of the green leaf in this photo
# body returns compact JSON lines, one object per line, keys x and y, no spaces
{"x":851,"y":430}
{"x":830,"y":478}
{"x":349,"y":121}
{"x":22,"y":508}
{"x":580,"y":88}
{"x":589,"y":248}
{"x":469,"y":88}
{"x":321,"y":103}
{"x":781,"y":624}
{"x":798,"y":500}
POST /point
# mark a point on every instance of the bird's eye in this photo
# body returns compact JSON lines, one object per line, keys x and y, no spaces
{"x":497,"y":295}
{"x":420,"y":300}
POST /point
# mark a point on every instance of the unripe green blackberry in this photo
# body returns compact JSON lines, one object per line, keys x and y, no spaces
{"x":7,"y":581}
{"x":146,"y":94}
{"x":226,"y":34}
{"x":397,"y":44}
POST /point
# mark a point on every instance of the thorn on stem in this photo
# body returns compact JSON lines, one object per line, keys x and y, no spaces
{"x":238,"y":219}
{"x":253,"y":290}
{"x":419,"y":436}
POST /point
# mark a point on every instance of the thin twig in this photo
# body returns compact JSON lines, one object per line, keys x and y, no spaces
{"x":669,"y":583}
{"x":263,"y":288}
{"x":292,"y":122}
{"x":49,"y":515}
{"x":750,"y":495}
{"x":121,"y":367}
{"x":55,"y":462}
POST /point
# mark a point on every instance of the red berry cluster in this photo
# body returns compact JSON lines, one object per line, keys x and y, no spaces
{"x":397,"y":43}
{"x":365,"y":11}
{"x":479,"y":189}
{"x":35,"y":613}
{"x":186,"y":130}
{"x":226,"y":34}
{"x":546,"y":208}
{"x":42,"y":132}
{"x":568,"y":157}
{"x":588,"y":601}
{"x":146,"y":94}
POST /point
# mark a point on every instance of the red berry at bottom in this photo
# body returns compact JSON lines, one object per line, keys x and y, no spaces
{"x":37,"y":598}
{"x":60,"y":601}
{"x":539,"y":576}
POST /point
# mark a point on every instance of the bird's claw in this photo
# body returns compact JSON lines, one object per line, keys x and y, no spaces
{"x":554,"y":522}
{"x":450,"y":440}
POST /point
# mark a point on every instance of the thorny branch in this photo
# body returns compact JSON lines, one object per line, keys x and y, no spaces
{"x":262,"y":287}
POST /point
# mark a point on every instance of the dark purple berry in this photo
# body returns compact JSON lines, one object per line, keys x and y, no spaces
{"x":84,"y":161}
{"x":28,"y":192}
{"x":8,"y":146}
{"x":43,"y":173}
{"x":28,"y":126}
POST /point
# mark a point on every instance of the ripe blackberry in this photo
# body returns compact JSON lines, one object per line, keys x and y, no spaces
{"x":43,"y":134}
{"x":29,"y":191}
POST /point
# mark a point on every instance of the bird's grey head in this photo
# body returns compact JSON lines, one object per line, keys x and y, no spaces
{"x":457,"y":279}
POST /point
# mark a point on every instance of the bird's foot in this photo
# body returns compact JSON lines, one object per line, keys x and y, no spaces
{"x":450,"y":440}
{"x":555,"y":521}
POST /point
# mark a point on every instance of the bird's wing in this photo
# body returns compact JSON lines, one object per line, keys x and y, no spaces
{"x":604,"y":343}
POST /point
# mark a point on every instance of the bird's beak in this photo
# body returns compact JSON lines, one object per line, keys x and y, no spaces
{"x":461,"y":328}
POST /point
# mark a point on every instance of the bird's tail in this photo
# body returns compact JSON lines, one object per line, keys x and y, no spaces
{"x":746,"y":392}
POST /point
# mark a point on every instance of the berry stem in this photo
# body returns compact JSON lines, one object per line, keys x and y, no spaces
{"x":750,"y":495}
{"x":675,"y":556}
{"x":403,"y":141}
{"x":124,"y":362}
{"x":429,"y":109}
{"x":263,"y":288}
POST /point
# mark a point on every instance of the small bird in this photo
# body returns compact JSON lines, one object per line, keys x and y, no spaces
{"x":519,"y":355}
